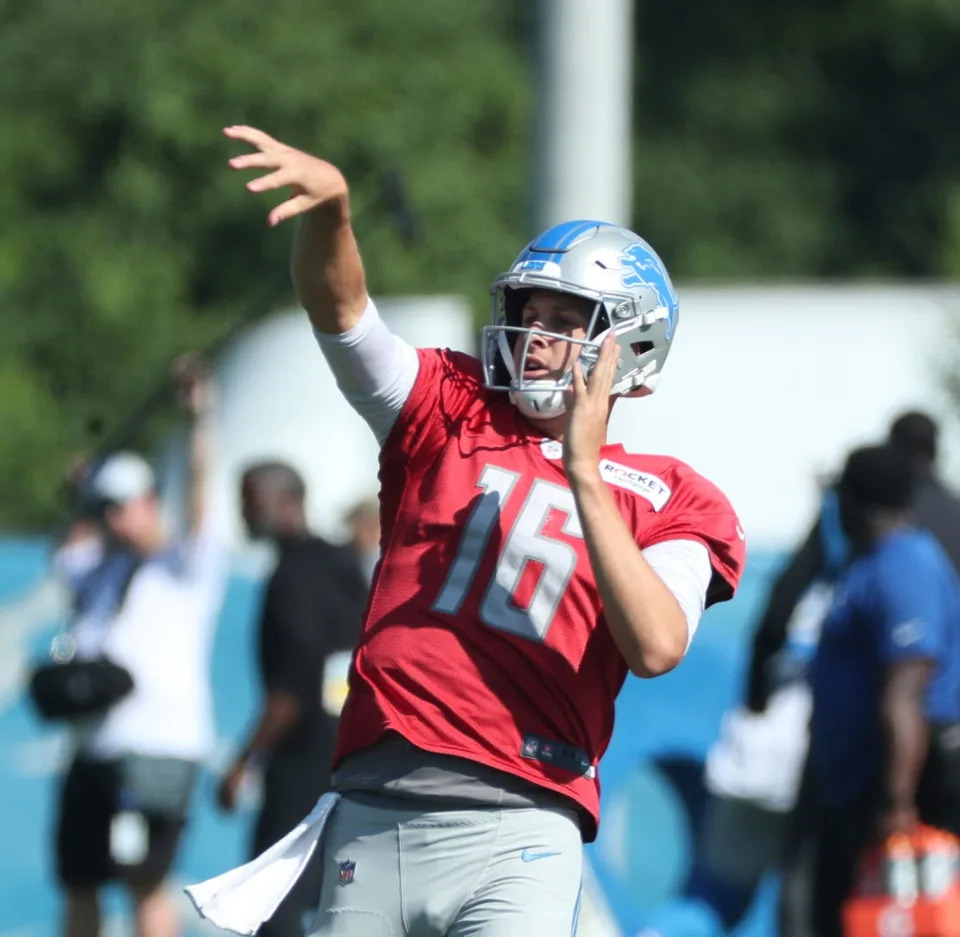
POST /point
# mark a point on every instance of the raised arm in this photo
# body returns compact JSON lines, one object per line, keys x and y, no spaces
{"x":908,"y":738}
{"x":326,"y":266}
{"x":196,"y":394}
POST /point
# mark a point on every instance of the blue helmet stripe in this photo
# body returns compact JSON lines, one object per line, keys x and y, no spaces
{"x":550,"y":246}
{"x":531,"y":253}
{"x":561,"y":236}
{"x":578,"y":230}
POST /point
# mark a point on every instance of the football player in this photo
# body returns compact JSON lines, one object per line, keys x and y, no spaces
{"x":527,"y":566}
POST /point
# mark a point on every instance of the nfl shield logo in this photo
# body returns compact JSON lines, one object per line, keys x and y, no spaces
{"x":347,"y":869}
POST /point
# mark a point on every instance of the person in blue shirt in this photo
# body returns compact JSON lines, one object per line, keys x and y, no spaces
{"x":885,"y":680}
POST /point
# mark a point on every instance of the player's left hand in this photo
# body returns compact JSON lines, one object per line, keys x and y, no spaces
{"x":588,"y":407}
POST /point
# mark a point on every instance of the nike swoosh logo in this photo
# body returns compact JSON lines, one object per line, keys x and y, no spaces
{"x":530,"y":855}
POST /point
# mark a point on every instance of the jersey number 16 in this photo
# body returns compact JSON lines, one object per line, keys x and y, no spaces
{"x":525,"y":543}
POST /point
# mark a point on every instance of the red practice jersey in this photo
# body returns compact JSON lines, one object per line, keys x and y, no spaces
{"x":484,"y":636}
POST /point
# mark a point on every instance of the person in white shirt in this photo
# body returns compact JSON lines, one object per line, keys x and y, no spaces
{"x":149,"y":602}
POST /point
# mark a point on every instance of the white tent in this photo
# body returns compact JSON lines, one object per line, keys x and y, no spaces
{"x":764,"y":391}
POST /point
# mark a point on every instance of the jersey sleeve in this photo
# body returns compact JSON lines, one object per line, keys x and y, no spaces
{"x":911,"y":618}
{"x":698,"y":511}
{"x":684,"y":568}
{"x":373,"y":368}
{"x":448,"y":383}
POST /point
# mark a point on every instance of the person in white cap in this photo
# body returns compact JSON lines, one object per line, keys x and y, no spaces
{"x":148,"y":600}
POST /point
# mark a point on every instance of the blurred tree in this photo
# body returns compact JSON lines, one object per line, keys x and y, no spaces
{"x":127,"y":239}
{"x":772,"y":141}
{"x":820,"y":140}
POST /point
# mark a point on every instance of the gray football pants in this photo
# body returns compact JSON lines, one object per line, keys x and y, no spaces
{"x":400,"y":870}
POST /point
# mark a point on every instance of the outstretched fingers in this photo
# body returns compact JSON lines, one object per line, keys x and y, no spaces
{"x":290,"y":209}
{"x":251,"y":135}
{"x":311,"y":180}
{"x":257,"y":160}
{"x":282,"y":176}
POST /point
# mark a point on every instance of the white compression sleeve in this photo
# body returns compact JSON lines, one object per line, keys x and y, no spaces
{"x":375,"y":369}
{"x":684,"y":566}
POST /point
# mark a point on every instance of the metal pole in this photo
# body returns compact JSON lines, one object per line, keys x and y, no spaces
{"x":585,"y":79}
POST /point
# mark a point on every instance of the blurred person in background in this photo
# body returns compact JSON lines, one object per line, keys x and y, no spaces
{"x":309,"y":624}
{"x":363,"y":523}
{"x":789,"y":628}
{"x":148,"y":599}
{"x":824,"y":550}
{"x":885,"y":682}
{"x":753,"y":771}
{"x":935,"y":507}
{"x":528,"y":566}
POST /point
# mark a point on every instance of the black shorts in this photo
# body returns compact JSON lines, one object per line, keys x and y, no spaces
{"x":88,"y":800}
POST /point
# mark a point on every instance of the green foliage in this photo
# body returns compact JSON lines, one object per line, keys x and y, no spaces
{"x":127,"y":239}
{"x":771,"y":141}
{"x":816,"y":141}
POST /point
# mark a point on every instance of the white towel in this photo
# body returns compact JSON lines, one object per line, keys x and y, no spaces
{"x":243,"y":898}
{"x":759,"y":757}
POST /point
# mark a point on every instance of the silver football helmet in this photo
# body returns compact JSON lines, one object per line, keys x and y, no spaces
{"x":632,"y":294}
